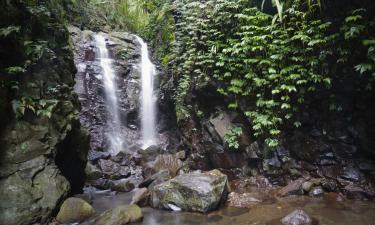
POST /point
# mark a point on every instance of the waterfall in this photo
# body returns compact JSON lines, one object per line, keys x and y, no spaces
{"x":148,"y":99}
{"x":113,"y":133}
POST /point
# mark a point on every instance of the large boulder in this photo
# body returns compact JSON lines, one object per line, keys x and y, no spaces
{"x":74,"y":210}
{"x":201,"y":192}
{"x":120,"y":215}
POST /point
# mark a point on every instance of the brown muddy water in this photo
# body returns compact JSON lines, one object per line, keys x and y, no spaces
{"x":327,"y":211}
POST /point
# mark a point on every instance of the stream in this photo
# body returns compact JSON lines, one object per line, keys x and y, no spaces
{"x":326,"y":210}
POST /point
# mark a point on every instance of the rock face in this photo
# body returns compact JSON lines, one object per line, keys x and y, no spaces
{"x":125,"y":52}
{"x":197,"y":191}
{"x":120,"y":215}
{"x":43,"y":149}
{"x":74,"y":210}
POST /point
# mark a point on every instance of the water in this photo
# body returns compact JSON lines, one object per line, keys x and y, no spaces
{"x":326,"y":210}
{"x":148,"y":99}
{"x":113,"y":134}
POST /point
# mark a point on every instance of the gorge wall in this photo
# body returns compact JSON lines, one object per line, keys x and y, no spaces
{"x":43,"y":148}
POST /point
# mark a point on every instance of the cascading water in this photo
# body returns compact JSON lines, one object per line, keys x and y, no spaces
{"x":113,"y":133}
{"x":148,"y":99}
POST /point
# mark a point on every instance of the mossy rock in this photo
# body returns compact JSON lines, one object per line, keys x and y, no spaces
{"x":120,"y":215}
{"x":74,"y":210}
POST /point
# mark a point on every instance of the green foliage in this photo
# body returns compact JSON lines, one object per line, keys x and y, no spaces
{"x":275,"y":67}
{"x":231,"y":137}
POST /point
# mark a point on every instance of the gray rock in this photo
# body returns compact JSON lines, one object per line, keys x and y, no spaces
{"x":200,"y":192}
{"x":297,"y":217}
{"x":307,"y":186}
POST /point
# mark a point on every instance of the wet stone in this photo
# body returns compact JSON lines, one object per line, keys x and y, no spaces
{"x":297,"y":217}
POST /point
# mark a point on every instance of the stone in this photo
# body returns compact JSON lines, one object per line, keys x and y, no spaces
{"x":155,"y":179}
{"x":357,"y":192}
{"x":96,"y":155}
{"x":294,"y":188}
{"x":92,"y":172}
{"x":102,"y":184}
{"x":244,"y":200}
{"x":141,"y":197}
{"x":297,"y":217}
{"x":120,"y":215}
{"x":112,"y":170}
{"x":316,"y":192}
{"x":123,"y":185}
{"x":201,"y":192}
{"x":307,"y":186}
{"x":74,"y":210}
{"x":180,"y":155}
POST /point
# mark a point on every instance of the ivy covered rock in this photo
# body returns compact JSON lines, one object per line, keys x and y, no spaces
{"x":201,"y":192}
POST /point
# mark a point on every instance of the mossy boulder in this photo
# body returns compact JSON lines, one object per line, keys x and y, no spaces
{"x":74,"y":210}
{"x":201,"y":192}
{"x":120,"y":215}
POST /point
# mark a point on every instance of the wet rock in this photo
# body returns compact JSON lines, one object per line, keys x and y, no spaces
{"x":352,"y":174}
{"x":92,"y":172}
{"x":122,"y":158}
{"x":86,"y":197}
{"x":120,"y":215}
{"x":74,"y":210}
{"x":197,"y":191}
{"x":155,"y":179}
{"x":96,"y":155}
{"x":102,"y":184}
{"x":294,"y":188}
{"x":123,"y":185}
{"x":113,"y":170}
{"x":316,"y":192}
{"x":151,"y":152}
{"x":141,"y":197}
{"x":244,"y":200}
{"x":297,"y":217}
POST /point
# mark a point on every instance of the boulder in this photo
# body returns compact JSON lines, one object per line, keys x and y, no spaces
{"x":74,"y":210}
{"x":141,"y":197}
{"x":120,"y":215}
{"x":297,"y":217}
{"x":113,"y":170}
{"x":197,"y":191}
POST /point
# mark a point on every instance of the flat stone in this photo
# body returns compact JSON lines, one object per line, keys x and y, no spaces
{"x":120,"y":215}
{"x":293,"y":188}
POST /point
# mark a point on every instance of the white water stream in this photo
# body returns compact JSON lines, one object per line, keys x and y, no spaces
{"x":148,"y":99}
{"x":113,"y":120}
